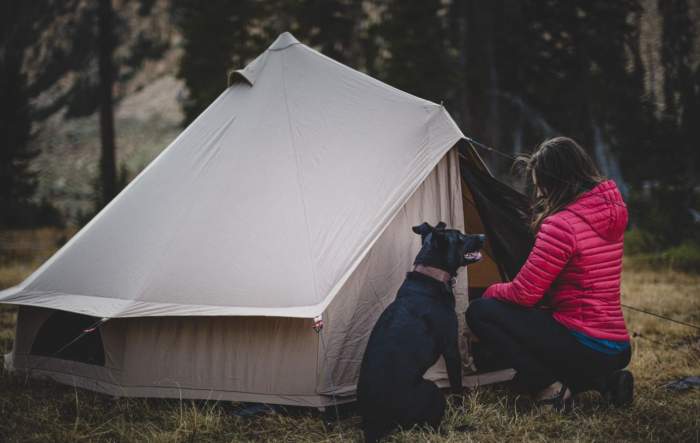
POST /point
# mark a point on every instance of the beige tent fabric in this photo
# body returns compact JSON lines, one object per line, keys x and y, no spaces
{"x":291,"y":196}
{"x":264,"y":205}
{"x":351,"y":315}
{"x":262,"y":359}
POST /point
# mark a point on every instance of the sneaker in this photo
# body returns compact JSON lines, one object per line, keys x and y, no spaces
{"x":619,"y":388}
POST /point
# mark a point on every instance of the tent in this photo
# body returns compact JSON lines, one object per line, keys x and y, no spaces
{"x":286,"y":204}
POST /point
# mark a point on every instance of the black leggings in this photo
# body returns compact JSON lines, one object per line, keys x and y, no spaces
{"x":539,"y":348}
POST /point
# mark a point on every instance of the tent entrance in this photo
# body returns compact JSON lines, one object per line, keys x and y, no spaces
{"x":61,"y":336}
{"x":487,"y":271}
{"x":500,"y":212}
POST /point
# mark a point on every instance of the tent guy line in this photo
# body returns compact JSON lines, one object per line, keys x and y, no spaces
{"x":690,"y":325}
{"x":92,"y":328}
{"x":514,"y":158}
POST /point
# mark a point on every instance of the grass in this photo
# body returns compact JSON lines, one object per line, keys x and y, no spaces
{"x":36,"y":410}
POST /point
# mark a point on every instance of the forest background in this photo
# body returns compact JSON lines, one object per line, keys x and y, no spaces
{"x":91,"y":91}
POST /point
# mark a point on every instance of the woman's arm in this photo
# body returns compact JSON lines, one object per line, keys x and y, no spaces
{"x":554,"y":245}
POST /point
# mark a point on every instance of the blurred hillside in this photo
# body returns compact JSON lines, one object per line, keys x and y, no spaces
{"x":62,"y":73}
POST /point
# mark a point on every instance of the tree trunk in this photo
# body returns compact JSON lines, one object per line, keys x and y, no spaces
{"x":108,"y":170}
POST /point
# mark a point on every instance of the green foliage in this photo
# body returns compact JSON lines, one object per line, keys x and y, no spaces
{"x":334,"y":27}
{"x":216,"y":38}
{"x":17,"y":181}
{"x":416,"y":36}
{"x":638,"y":241}
{"x":666,"y":162}
{"x":663,"y":213}
{"x":665,"y":233}
{"x":122,"y":179}
{"x":83,"y":97}
{"x":684,"y":257}
{"x":221,"y":35}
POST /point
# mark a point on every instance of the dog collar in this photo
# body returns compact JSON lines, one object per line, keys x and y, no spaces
{"x":437,"y":274}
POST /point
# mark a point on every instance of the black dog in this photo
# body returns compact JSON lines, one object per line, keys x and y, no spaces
{"x":410,"y":335}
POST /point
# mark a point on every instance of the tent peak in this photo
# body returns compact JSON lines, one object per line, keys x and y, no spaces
{"x":250,"y":73}
{"x":283,"y":41}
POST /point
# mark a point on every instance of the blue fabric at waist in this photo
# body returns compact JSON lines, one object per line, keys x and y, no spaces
{"x":609,"y":347}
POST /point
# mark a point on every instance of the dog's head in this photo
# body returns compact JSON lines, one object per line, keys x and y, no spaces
{"x":447,"y":249}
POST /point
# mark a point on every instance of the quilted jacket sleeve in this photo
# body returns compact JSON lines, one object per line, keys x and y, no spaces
{"x":554,"y":245}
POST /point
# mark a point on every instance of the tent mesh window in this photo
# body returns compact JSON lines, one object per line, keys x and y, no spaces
{"x":60,"y":337}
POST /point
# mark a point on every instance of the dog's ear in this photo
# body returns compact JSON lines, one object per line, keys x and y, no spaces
{"x":423,"y":229}
{"x":440,"y":225}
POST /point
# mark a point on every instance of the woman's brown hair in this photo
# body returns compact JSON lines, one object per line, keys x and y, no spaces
{"x":559,"y":171}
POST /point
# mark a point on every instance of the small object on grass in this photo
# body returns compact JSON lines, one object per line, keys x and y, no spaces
{"x":252,"y":409}
{"x":465,"y":428}
{"x":684,"y":383}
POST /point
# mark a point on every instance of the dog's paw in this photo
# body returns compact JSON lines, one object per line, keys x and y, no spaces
{"x":457,"y":399}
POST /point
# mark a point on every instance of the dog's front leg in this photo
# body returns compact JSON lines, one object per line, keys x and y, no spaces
{"x":453,"y":360}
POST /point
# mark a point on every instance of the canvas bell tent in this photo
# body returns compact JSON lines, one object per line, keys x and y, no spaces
{"x":289,"y":200}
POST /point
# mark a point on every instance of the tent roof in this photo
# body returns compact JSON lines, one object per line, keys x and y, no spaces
{"x":264,"y":205}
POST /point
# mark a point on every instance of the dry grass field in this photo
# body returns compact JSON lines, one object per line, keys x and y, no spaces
{"x":42,"y":411}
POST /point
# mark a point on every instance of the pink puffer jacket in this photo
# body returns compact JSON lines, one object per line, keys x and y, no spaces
{"x":577,"y":263}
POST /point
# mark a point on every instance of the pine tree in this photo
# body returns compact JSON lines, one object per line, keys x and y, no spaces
{"x":416,"y":44}
{"x":679,"y":93}
{"x":487,"y":38}
{"x":220,"y":35}
{"x":17,"y":182}
{"x":675,"y":156}
{"x":334,"y":27}
{"x":216,"y":38}
{"x":108,"y":164}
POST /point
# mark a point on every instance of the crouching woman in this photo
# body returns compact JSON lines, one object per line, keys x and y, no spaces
{"x":559,"y":323}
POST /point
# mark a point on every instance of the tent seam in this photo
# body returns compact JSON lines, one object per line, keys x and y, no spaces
{"x":282,"y":49}
{"x":355,"y":263}
{"x":186,"y":212}
{"x":139,"y":177}
{"x":319,"y":343}
{"x":296,"y":163}
{"x":132,"y":303}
